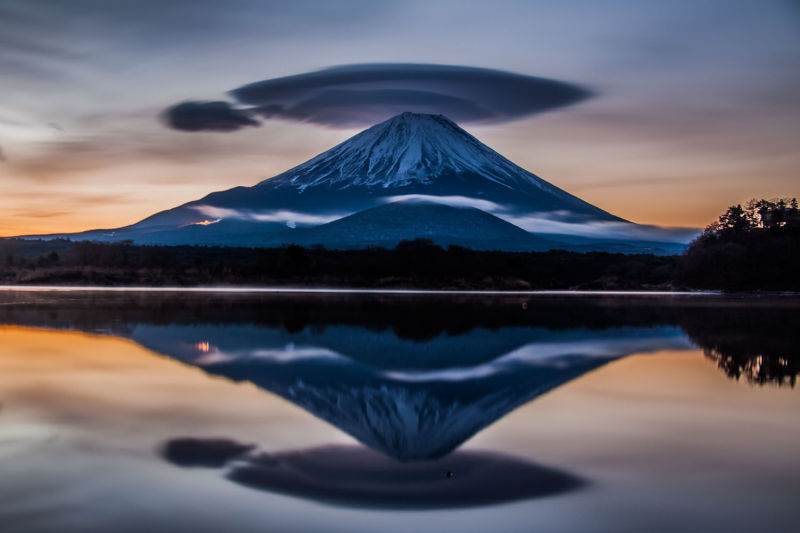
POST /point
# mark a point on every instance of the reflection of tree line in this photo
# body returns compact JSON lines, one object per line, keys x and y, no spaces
{"x":411,"y":317}
{"x":751,"y":338}
{"x":757,"y":344}
{"x":757,"y":368}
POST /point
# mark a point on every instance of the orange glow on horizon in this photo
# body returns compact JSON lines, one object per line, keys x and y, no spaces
{"x":666,"y":188}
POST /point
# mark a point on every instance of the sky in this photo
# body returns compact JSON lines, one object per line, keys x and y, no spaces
{"x":658,"y":112}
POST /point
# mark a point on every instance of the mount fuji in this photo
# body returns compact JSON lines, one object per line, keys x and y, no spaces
{"x":414,"y":175}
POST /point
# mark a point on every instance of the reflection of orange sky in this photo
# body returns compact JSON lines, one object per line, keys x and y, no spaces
{"x":83,"y":415}
{"x":80,"y":383}
{"x":651,"y":404}
{"x":85,"y":382}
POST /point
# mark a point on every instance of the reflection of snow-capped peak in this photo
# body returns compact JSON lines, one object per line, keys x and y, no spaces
{"x":401,"y":422}
{"x":408,"y":148}
{"x":408,"y":420}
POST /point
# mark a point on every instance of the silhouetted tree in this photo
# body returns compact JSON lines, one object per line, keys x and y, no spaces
{"x":747,"y":248}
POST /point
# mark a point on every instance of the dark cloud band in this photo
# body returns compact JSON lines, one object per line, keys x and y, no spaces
{"x":357,"y":95}
{"x":213,"y":116}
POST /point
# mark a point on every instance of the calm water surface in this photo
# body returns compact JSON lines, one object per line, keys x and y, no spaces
{"x":334,"y":412}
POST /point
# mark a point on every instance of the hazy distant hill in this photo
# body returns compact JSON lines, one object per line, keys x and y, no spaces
{"x":389,"y":224}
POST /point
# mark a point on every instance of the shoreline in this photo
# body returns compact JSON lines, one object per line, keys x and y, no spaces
{"x":350,"y":290}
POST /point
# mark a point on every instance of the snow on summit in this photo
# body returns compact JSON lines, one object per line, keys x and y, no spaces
{"x":407,"y":149}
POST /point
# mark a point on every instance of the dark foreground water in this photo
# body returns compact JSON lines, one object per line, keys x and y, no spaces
{"x":285,"y":412}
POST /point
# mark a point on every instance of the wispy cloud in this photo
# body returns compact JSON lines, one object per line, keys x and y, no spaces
{"x":290,"y":218}
{"x":555,"y":355}
{"x":454,"y":201}
{"x":560,"y":222}
{"x":546,"y":224}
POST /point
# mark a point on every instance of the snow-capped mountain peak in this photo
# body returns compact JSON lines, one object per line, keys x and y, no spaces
{"x":409,"y":159}
{"x":410,"y":148}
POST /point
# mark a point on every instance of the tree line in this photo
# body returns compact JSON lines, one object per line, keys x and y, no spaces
{"x":418,"y":263}
{"x":755,"y":247}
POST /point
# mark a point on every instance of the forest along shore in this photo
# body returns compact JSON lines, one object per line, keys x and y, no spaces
{"x":411,"y":264}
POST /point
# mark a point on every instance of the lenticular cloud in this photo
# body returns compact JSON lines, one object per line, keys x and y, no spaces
{"x":358,"y":95}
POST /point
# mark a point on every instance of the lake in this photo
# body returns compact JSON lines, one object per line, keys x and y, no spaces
{"x":338,"y":412}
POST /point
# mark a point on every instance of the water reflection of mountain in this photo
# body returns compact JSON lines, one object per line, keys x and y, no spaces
{"x":412,"y":379}
{"x":415,"y":377}
{"x":417,"y":409}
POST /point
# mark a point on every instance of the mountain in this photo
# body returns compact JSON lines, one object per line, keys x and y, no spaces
{"x":410,"y":157}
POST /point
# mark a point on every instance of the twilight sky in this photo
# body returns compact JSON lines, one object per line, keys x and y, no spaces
{"x":659,"y":112}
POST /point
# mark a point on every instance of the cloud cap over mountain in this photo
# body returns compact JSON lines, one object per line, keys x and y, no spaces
{"x":364,"y":94}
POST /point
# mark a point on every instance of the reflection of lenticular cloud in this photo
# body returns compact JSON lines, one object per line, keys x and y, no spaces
{"x":285,"y":216}
{"x":358,"y":477}
{"x":208,"y":453}
{"x":357,"y":95}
